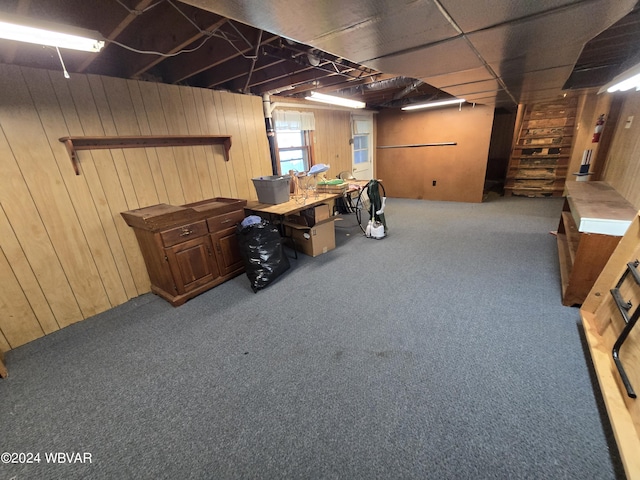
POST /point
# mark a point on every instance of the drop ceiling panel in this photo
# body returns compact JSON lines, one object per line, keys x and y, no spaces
{"x":358,"y":30}
{"x":499,"y":98}
{"x":530,"y":83}
{"x":399,"y":30}
{"x":452,"y":55}
{"x":479,"y":14}
{"x":530,"y":63}
{"x":562,"y":34}
{"x":496,"y":95}
{"x":474,"y":87}
{"x":303,"y":20}
{"x":459,"y":77}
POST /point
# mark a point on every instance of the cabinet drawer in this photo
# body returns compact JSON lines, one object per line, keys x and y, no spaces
{"x":227,"y":220}
{"x":186,"y":232}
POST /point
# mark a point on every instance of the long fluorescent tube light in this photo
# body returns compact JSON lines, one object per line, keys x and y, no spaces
{"x":434,"y":104}
{"x":40,"y":32}
{"x":343,"y":102}
{"x":625,"y":81}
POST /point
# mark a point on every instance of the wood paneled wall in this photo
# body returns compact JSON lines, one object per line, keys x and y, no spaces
{"x":459,"y":171}
{"x":65,"y":252}
{"x":622,"y":168}
{"x":590,"y":106}
{"x":332,"y":136}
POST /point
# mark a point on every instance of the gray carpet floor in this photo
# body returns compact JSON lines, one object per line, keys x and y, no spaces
{"x":439,"y":352}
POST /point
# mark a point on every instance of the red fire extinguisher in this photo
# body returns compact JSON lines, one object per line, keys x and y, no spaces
{"x":598,"y":130}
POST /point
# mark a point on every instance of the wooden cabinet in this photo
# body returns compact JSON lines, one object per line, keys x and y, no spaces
{"x":188,"y":249}
{"x":192,"y":264}
{"x":593,"y":220}
{"x":224,"y":241}
{"x":540,"y":157}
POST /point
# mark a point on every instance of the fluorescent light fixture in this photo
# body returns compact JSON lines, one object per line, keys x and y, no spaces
{"x":341,"y":101}
{"x":443,"y":103}
{"x":21,"y":29}
{"x":625,"y":81}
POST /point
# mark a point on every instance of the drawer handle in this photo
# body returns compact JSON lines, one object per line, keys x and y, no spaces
{"x":227,"y":220}
{"x":185,"y":232}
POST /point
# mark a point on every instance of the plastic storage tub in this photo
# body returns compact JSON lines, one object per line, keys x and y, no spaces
{"x":272,"y":189}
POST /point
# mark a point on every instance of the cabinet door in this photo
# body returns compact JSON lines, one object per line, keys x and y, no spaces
{"x":227,"y":250}
{"x":192,"y":264}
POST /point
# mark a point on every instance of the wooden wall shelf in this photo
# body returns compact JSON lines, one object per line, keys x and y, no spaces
{"x":74,"y":144}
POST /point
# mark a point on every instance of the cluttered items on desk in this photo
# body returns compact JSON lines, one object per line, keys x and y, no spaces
{"x":336,"y":185}
{"x":303,"y":187}
{"x":276,"y":189}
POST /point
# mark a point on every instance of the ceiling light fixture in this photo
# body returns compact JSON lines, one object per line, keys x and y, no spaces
{"x":330,"y":99}
{"x":625,"y":81}
{"x":40,"y":32}
{"x":455,"y":101}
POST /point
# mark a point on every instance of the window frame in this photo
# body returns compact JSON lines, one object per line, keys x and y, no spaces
{"x":307,"y":148}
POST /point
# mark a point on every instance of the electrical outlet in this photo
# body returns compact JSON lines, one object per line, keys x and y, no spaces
{"x":629,"y":122}
{"x":434,"y":183}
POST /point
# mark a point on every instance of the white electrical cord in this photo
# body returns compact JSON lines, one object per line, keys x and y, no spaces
{"x":64,"y":69}
{"x":152,"y":52}
{"x":206,"y":34}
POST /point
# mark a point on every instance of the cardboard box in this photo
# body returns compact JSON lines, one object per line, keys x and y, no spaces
{"x":311,"y":216}
{"x":316,"y":214}
{"x":313,"y":241}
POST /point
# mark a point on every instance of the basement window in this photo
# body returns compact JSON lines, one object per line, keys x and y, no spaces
{"x":293,"y":150}
{"x":294,"y":138}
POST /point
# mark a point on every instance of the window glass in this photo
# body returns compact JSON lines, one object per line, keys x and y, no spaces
{"x":293,"y":150}
{"x":361,"y":148}
{"x":288,"y":139}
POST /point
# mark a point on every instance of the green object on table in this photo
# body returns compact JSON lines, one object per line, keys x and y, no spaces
{"x":335,"y":181}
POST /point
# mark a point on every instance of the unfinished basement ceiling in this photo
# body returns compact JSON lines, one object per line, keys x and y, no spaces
{"x":384,"y":52}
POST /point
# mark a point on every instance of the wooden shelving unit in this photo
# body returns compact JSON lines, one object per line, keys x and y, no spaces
{"x":593,"y":220}
{"x":540,"y":157}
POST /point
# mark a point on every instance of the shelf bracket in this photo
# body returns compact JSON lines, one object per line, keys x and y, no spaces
{"x":73,"y":144}
{"x":72,"y":155}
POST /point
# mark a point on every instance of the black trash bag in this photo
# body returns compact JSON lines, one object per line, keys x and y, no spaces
{"x":262,"y":252}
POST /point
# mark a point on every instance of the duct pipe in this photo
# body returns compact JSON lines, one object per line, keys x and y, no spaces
{"x":395,"y":82}
{"x":253,"y":63}
{"x":271,"y":133}
{"x":410,"y":88}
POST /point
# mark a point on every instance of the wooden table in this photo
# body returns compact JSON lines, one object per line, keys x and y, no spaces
{"x":277,"y":213}
{"x":294,"y":205}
